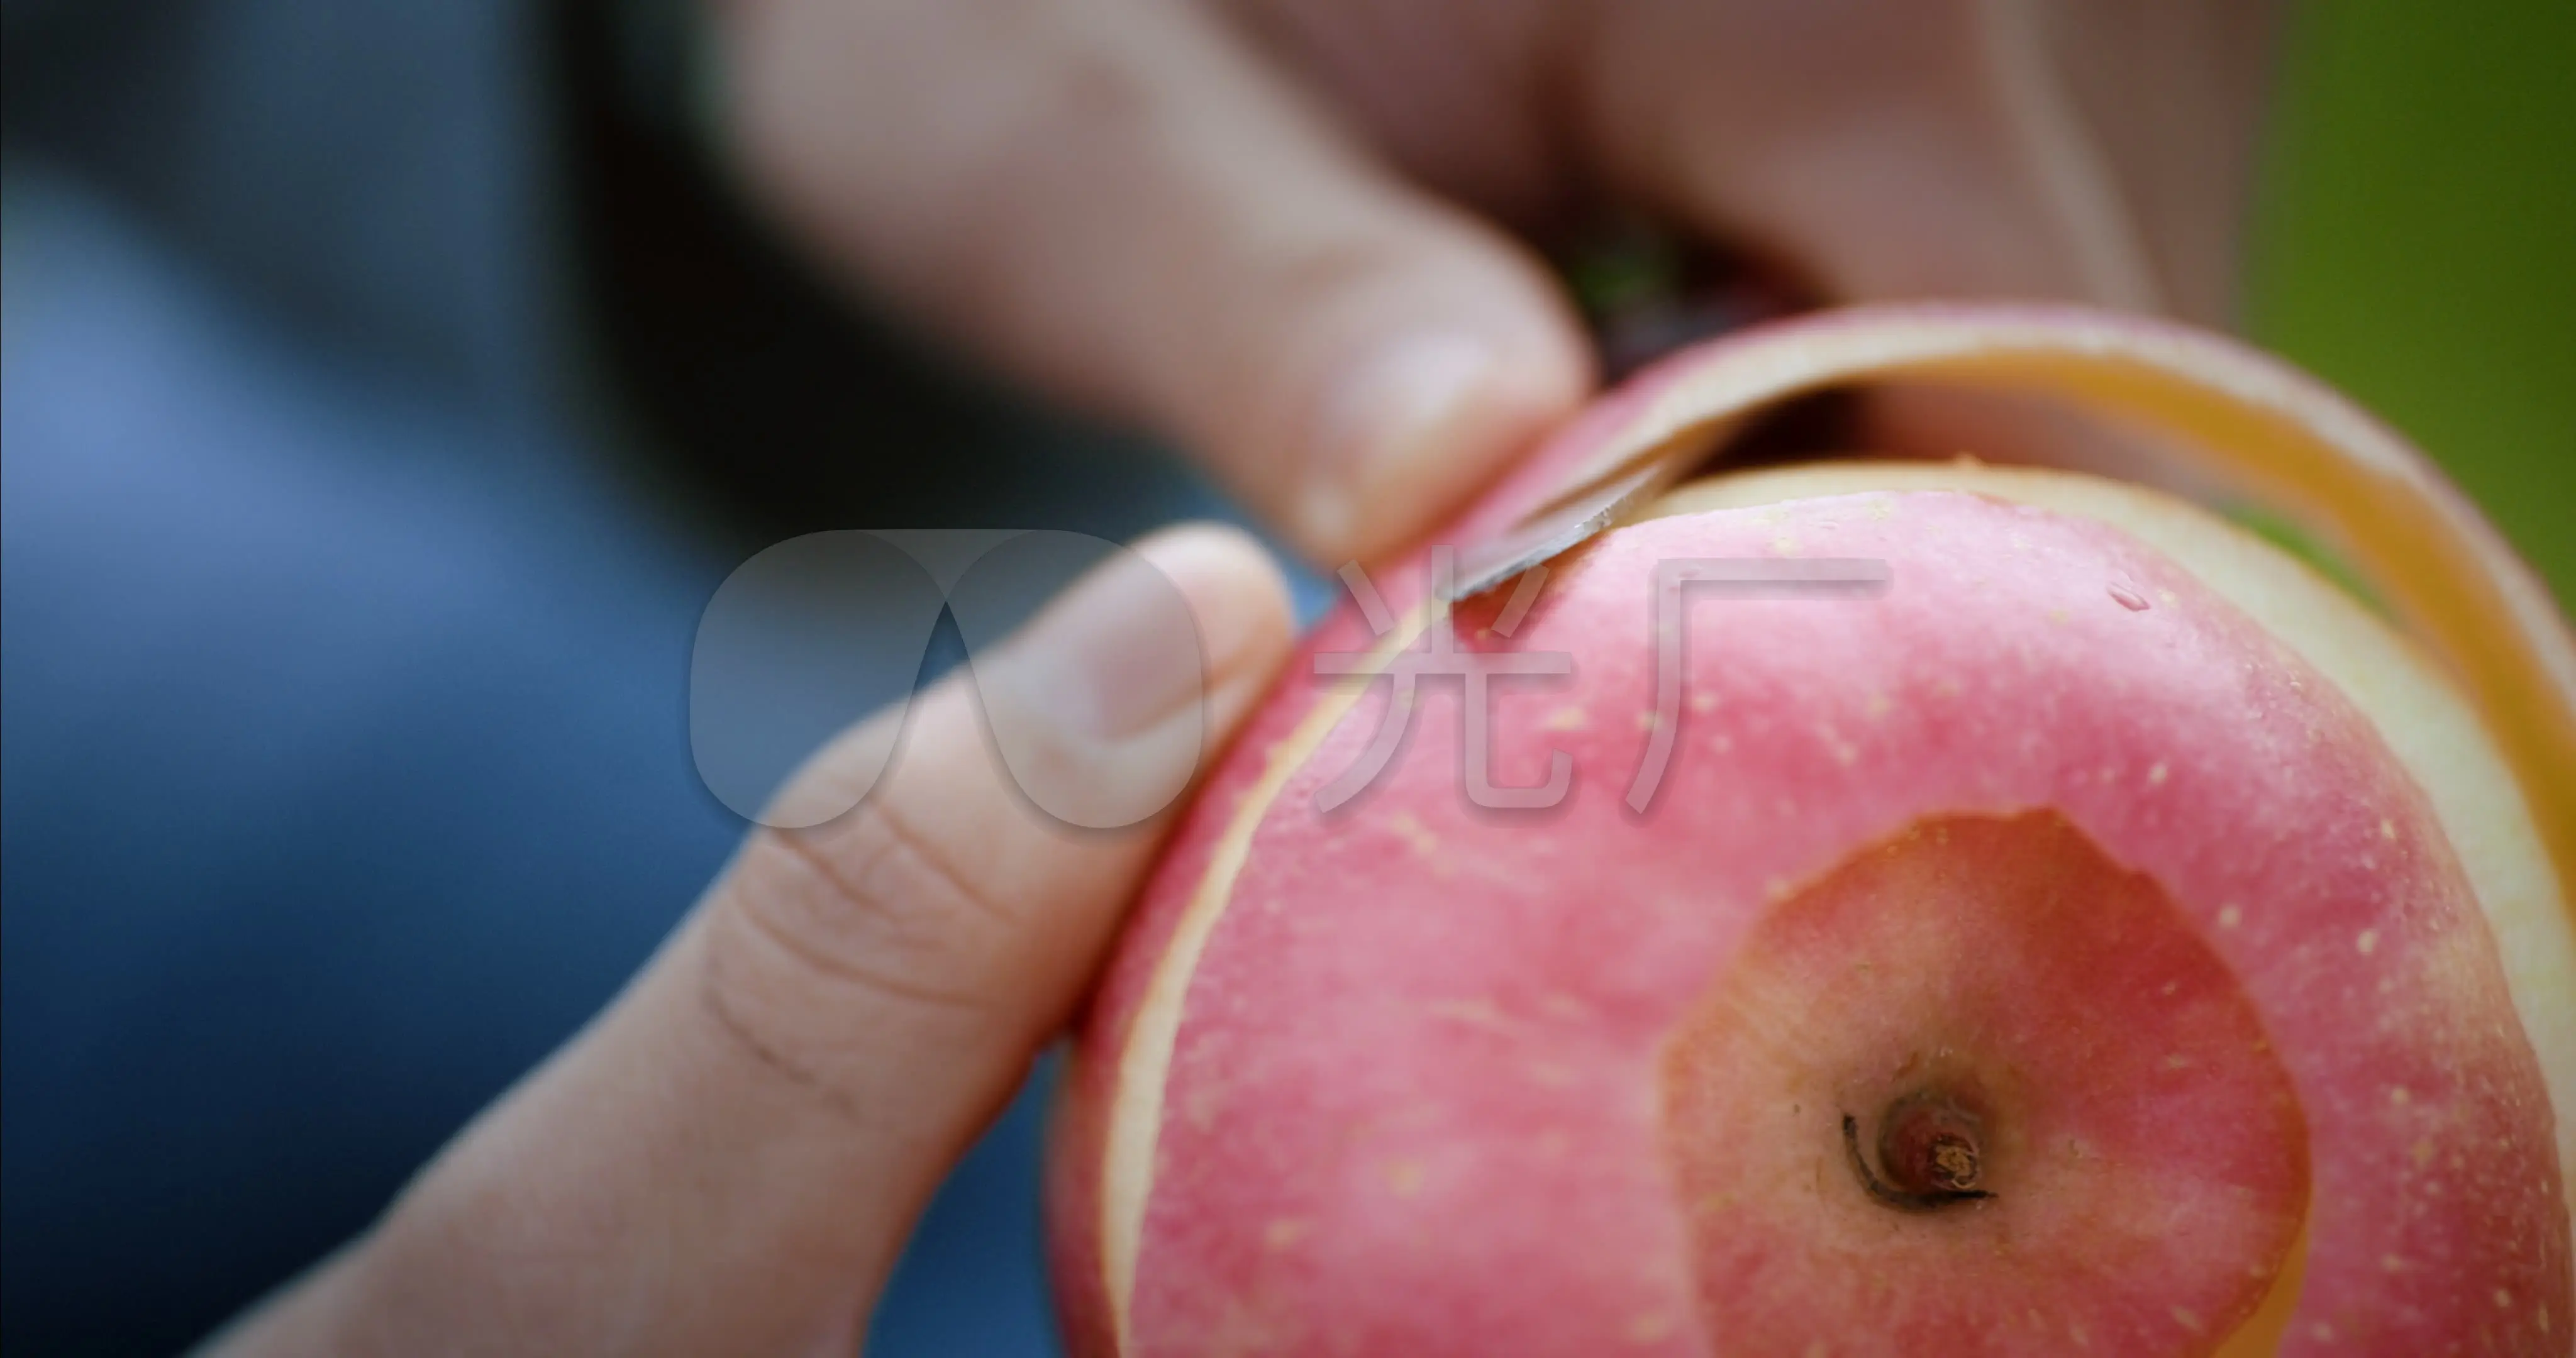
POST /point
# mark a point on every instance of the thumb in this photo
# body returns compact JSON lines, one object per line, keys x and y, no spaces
{"x":731,"y":1157}
{"x":1122,"y":202}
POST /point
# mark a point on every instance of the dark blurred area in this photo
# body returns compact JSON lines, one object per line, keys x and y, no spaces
{"x":388,"y":386}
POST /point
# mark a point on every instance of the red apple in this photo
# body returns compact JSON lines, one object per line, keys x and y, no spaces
{"x":2111,"y":937}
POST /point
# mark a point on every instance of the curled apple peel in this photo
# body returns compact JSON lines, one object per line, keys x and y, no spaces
{"x":2091,"y":943}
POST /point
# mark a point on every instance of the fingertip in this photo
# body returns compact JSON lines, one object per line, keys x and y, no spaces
{"x":1236,"y":594}
{"x":1107,"y":705}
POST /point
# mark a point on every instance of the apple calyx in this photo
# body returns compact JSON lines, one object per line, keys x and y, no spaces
{"x":1928,"y":1149}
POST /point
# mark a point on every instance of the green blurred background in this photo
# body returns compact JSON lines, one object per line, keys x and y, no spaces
{"x":2415,"y":241}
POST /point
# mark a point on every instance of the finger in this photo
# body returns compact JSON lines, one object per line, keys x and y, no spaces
{"x":1122,"y":202}
{"x":2174,"y":93}
{"x":730,"y":1158}
{"x":1947,"y":149}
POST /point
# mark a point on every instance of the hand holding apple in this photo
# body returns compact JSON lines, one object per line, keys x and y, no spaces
{"x":2111,"y":938}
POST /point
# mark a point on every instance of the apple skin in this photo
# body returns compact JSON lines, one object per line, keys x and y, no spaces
{"x":1412,"y":1077}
